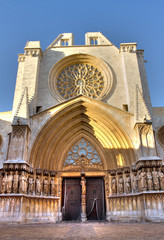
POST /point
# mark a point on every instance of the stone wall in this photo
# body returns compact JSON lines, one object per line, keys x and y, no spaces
{"x":145,"y":206}
{"x":28,"y":195}
{"x":23,"y":208}
{"x":136,"y":193}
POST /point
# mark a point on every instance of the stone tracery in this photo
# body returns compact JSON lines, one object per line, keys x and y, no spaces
{"x":83,"y":155}
{"x":78,"y":79}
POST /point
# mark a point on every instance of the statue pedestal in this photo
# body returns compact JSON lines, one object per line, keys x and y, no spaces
{"x":83,"y":217}
{"x":83,"y":208}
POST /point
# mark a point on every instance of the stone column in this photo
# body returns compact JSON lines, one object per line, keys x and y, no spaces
{"x":83,"y":199}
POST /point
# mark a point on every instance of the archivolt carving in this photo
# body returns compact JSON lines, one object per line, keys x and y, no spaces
{"x":76,"y":119}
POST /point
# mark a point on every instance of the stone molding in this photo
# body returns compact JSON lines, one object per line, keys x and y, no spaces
{"x":33,"y":52}
{"x":21,"y":57}
{"x":128,"y":47}
{"x":145,"y":206}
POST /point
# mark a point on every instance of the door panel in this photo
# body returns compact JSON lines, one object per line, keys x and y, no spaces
{"x":71,"y":201}
{"x":95,"y":202}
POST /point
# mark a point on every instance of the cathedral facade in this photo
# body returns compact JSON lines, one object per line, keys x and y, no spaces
{"x":82,"y":141}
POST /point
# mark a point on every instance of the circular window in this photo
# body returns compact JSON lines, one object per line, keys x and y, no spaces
{"x":80,"y":79}
{"x":80,"y":74}
{"x":161,"y":135}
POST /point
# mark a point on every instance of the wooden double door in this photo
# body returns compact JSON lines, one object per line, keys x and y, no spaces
{"x":95,"y":199}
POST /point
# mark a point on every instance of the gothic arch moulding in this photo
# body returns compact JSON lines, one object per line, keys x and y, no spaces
{"x":80,"y":74}
{"x":1,"y":141}
{"x":81,"y":117}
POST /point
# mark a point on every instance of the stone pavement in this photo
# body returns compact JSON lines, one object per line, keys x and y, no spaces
{"x":83,"y":231}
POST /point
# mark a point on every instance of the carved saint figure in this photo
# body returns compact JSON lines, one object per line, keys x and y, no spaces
{"x":120,"y":185}
{"x":15,"y":183}
{"x":139,"y":180}
{"x":4,"y":181}
{"x":128,"y":184}
{"x":135,"y":183}
{"x":53,"y":187}
{"x":143,"y":179}
{"x":149,"y":180}
{"x":45,"y":186}
{"x":23,"y":183}
{"x":9,"y":183}
{"x":38,"y":186}
{"x":83,"y":185}
{"x":161,"y":178}
{"x":155,"y":179}
{"x":114,"y":185}
{"x":30,"y":185}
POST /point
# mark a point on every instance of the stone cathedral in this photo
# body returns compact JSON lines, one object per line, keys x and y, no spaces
{"x":82,"y":141}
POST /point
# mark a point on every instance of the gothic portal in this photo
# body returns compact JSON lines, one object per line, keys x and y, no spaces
{"x":82,"y":141}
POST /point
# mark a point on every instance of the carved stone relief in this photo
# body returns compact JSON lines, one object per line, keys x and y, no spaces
{"x":23,"y":183}
{"x":149,"y":180}
{"x":9,"y":183}
{"x":128,"y":184}
{"x":30,"y":185}
{"x":38,"y":186}
{"x":120,"y":185}
{"x":15,"y":183}
{"x":155,"y":179}
{"x":45,"y":186}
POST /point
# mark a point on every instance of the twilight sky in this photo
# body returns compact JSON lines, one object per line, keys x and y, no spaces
{"x":121,"y":21}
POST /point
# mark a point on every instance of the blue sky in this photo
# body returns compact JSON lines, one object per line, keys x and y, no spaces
{"x":140,"y":21}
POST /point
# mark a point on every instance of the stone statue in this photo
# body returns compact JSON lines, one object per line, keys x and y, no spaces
{"x":161,"y":178}
{"x":139,"y":180}
{"x":149,"y":180}
{"x":143,"y":178}
{"x":128,"y":184}
{"x":9,"y":183}
{"x":15,"y":183}
{"x":155,"y":179}
{"x":83,"y":185}
{"x":38,"y":186}
{"x":30,"y":185}
{"x":53,"y":187}
{"x":121,"y":185}
{"x":135,"y":183}
{"x":23,"y":183}
{"x":114,"y":185}
{"x":4,"y":181}
{"x":45,"y":186}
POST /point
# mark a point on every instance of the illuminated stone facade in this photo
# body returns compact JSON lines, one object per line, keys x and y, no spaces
{"x":82,"y":136}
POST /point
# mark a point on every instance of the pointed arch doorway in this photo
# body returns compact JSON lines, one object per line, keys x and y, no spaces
{"x":78,"y":118}
{"x":83,"y":198}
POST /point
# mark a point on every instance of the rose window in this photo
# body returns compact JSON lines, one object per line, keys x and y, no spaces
{"x":80,"y":79}
{"x":83,"y":155}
